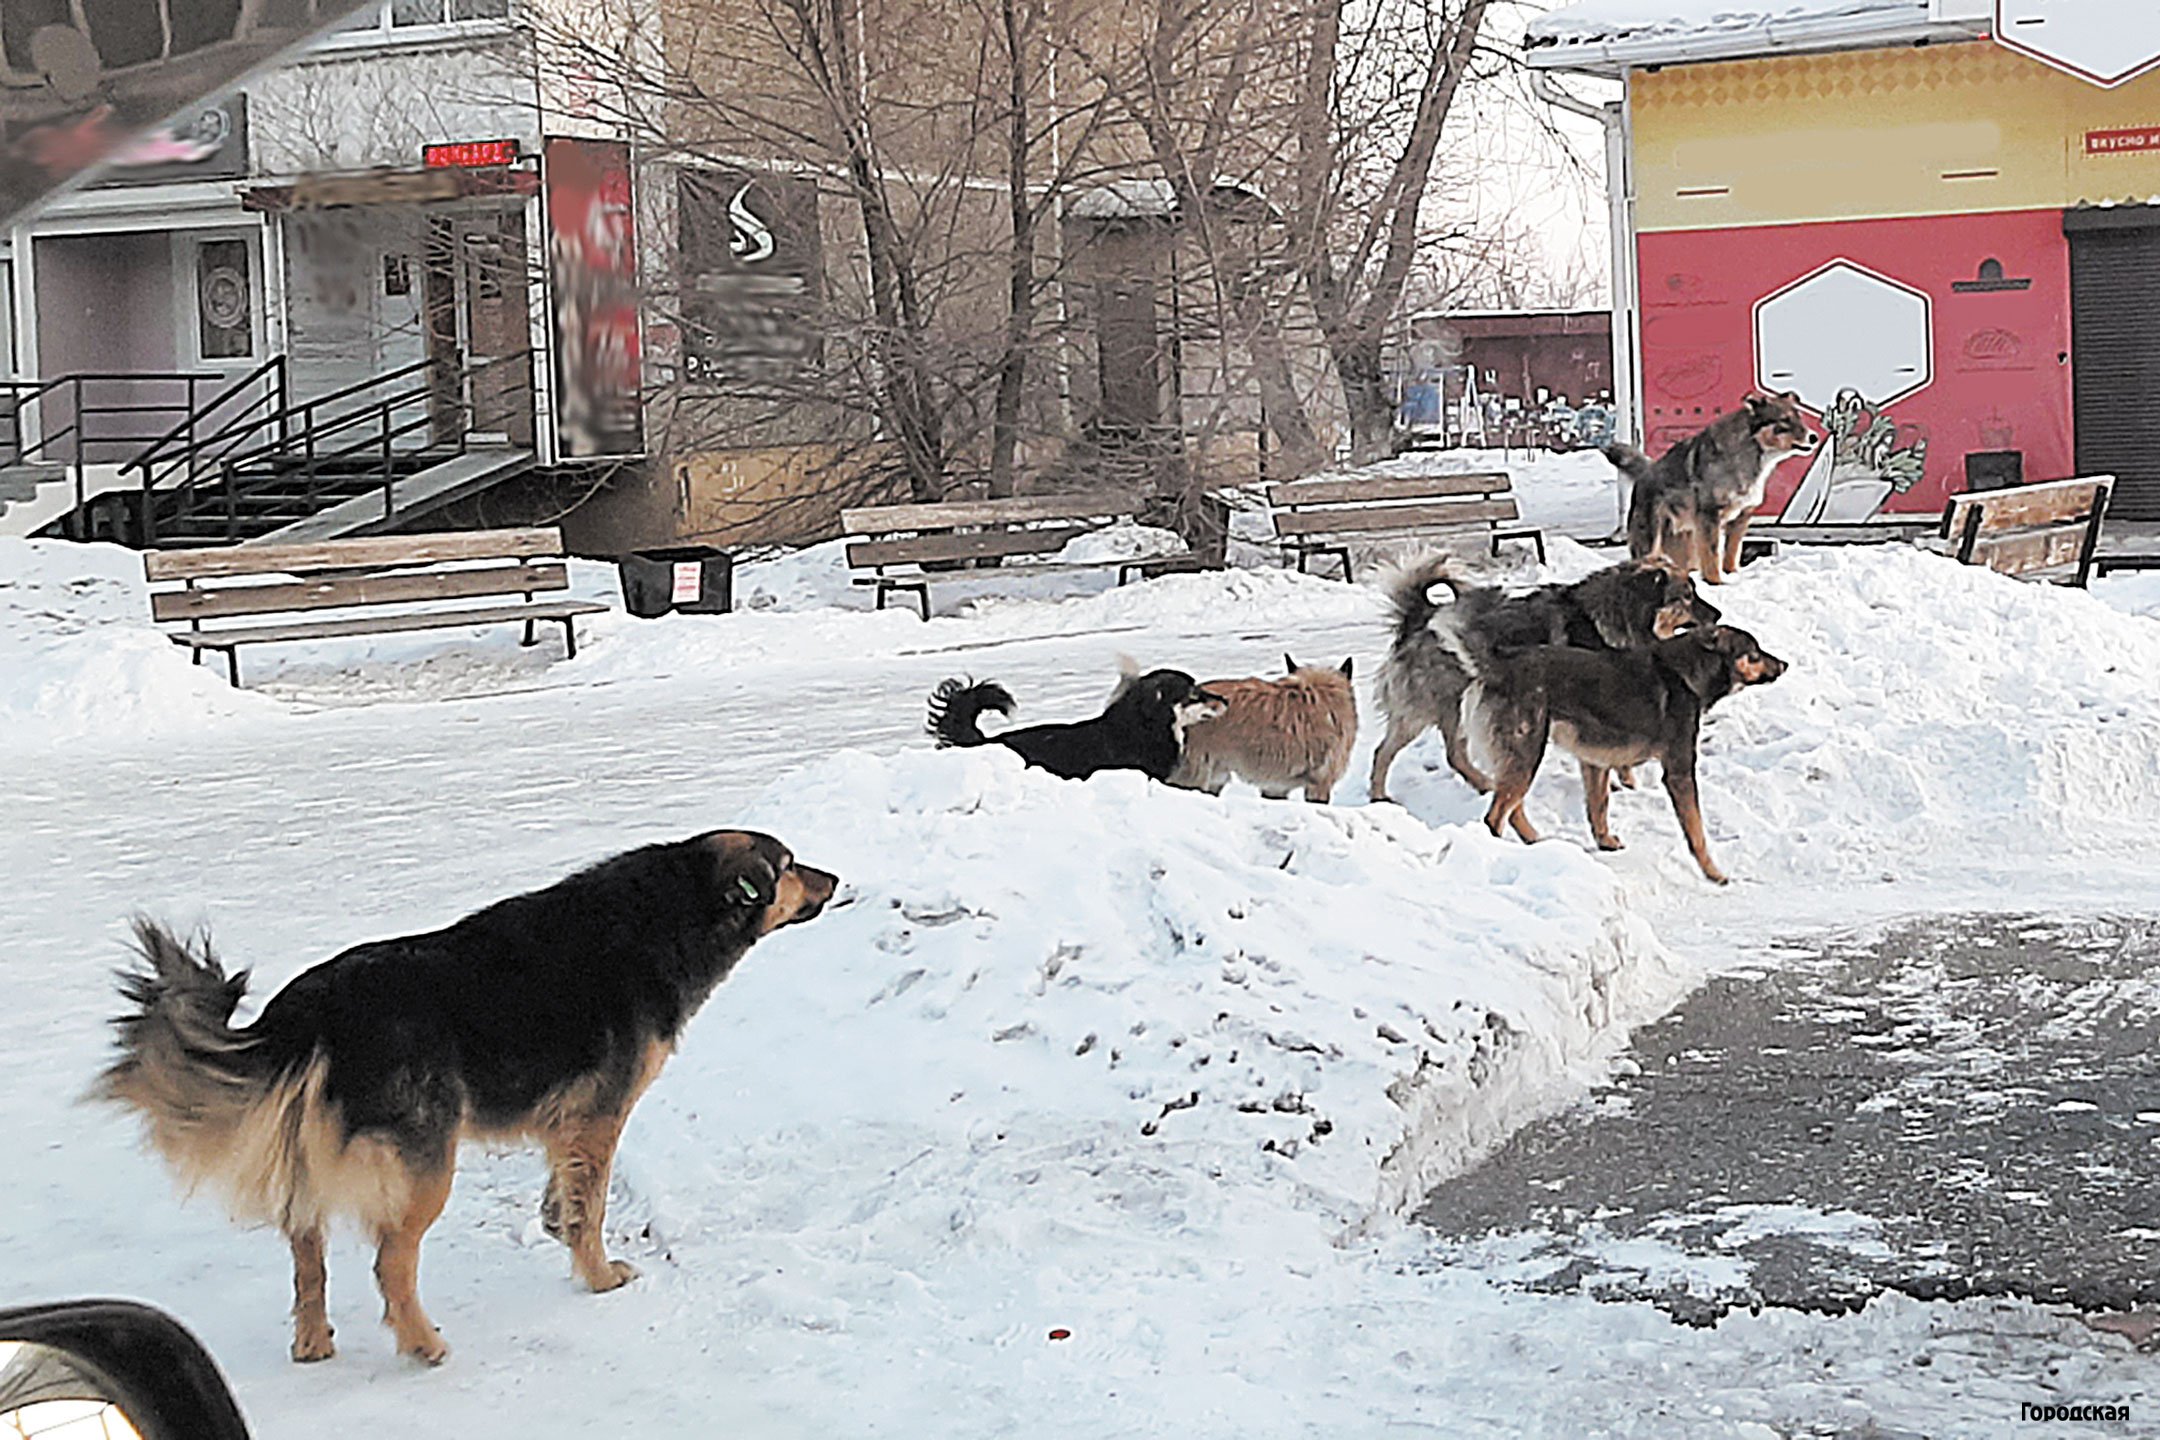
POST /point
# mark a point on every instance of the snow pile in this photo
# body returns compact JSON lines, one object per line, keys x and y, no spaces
{"x":2135,"y":592}
{"x":1593,"y":20}
{"x":1124,"y":540}
{"x":1935,"y":712}
{"x":79,"y":656}
{"x":1046,"y":998}
{"x":1941,"y":727}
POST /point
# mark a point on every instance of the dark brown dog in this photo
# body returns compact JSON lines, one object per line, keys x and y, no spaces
{"x":1611,"y":709}
{"x":1693,"y":506}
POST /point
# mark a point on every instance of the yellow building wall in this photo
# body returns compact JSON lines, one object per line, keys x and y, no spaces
{"x":1938,"y":130}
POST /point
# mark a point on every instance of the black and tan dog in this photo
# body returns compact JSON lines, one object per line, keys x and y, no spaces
{"x":1437,"y":647}
{"x":1609,"y":709}
{"x":1693,"y":505}
{"x":1142,"y":728}
{"x":540,"y":1018}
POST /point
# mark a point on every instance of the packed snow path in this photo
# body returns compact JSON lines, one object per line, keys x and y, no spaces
{"x":1960,"y":1106}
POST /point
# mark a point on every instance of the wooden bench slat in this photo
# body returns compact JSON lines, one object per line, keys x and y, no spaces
{"x":2051,"y":502}
{"x":917,"y":548}
{"x":382,"y":624}
{"x":886,"y":519}
{"x":1293,"y":493}
{"x":349,"y":590}
{"x":1381,"y":518}
{"x":373,"y":552}
{"x":2033,"y":550}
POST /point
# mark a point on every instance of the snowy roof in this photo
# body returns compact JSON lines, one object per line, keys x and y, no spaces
{"x":1153,"y":198}
{"x":1609,"y":35}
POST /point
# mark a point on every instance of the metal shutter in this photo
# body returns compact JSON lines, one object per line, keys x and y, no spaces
{"x":2115,"y":354}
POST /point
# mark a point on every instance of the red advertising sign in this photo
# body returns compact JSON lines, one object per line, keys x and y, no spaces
{"x":592,"y":266}
{"x":2122,"y":142}
{"x":469,"y":154}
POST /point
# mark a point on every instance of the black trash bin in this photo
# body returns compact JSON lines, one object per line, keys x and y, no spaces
{"x":695,"y":579}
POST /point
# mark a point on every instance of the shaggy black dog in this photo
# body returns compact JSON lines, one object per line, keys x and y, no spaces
{"x":1142,"y":728}
{"x":539,"y":1018}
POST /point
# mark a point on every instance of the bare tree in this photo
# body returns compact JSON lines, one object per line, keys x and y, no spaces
{"x":927,"y":122}
{"x":1379,"y":83}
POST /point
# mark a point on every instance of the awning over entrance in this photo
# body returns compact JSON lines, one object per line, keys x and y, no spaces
{"x":392,"y":187}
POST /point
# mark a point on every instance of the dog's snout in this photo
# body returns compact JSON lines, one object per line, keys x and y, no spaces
{"x":1209,"y":697}
{"x":817,"y":887}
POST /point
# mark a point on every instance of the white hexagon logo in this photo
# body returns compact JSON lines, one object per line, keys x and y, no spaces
{"x":1844,"y":327}
{"x":2104,"y":41}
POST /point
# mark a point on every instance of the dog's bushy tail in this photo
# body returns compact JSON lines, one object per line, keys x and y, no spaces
{"x":1409,"y":594}
{"x":1628,"y":460}
{"x":214,"y":1102}
{"x":956,"y":707}
{"x":1641,"y":512}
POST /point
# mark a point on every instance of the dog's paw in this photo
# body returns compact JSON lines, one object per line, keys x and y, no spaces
{"x":429,"y":1349}
{"x":311,"y":1345}
{"x":1610,"y":842}
{"x":613,"y":1276}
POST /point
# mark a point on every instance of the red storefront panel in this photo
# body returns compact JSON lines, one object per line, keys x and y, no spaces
{"x":1964,"y":319}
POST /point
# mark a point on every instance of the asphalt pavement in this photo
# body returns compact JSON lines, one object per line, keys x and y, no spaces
{"x":1963,"y":1106}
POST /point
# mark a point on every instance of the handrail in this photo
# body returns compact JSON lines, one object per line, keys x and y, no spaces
{"x":26,"y":393}
{"x":295,"y":445}
{"x":185,"y":425}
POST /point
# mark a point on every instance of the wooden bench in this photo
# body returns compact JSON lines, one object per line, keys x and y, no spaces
{"x":402,"y":579}
{"x":2028,"y":529}
{"x":1325,"y":517}
{"x":914,"y":547}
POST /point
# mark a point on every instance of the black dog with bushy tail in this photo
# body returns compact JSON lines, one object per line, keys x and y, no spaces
{"x":1142,"y":728}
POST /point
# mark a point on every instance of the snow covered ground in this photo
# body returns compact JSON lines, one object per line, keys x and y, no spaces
{"x":1150,"y":1068}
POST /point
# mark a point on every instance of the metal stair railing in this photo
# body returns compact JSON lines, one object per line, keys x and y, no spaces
{"x":72,"y":444}
{"x":344,"y":435}
{"x":186,"y":445}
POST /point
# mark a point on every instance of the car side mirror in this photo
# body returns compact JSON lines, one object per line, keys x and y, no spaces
{"x":84,"y":1355}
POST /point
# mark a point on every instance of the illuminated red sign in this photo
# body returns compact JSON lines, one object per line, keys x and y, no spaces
{"x":469,"y":154}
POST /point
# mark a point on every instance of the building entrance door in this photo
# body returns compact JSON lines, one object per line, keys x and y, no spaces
{"x":495,"y":327}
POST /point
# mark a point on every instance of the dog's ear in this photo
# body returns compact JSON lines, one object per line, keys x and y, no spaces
{"x":1345,"y":666}
{"x":1289,"y":665}
{"x":748,"y":880}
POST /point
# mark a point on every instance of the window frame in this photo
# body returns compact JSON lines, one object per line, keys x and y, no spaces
{"x":382,"y":35}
